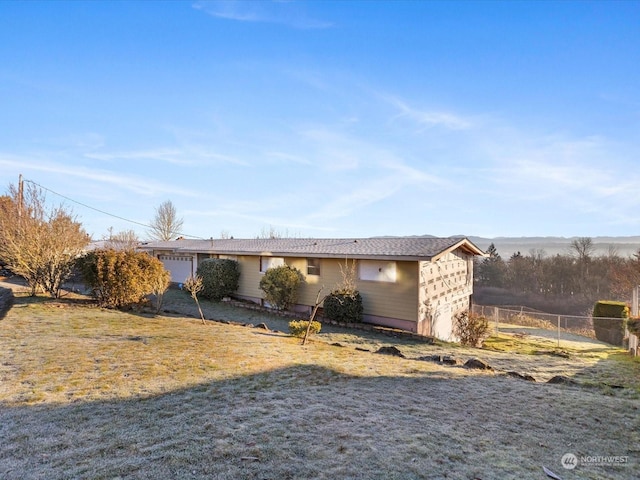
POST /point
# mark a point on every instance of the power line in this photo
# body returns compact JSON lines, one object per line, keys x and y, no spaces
{"x":98,"y":210}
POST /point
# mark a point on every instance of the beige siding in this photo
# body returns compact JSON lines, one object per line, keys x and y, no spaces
{"x":249,"y":276}
{"x":394,"y":300}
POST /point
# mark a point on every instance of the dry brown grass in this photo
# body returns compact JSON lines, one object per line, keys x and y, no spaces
{"x":92,"y":393}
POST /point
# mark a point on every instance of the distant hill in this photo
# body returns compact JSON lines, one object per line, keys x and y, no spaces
{"x":507,"y":246}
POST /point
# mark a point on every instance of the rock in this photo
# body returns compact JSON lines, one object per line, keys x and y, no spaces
{"x":263,"y":326}
{"x":555,"y":353}
{"x":445,"y":359}
{"x":391,"y":351}
{"x":477,"y":364}
{"x":431,"y":358}
{"x":360,"y":349}
{"x":450,"y":360}
{"x":528,"y":378}
{"x":337,"y":344}
{"x":561,"y":379}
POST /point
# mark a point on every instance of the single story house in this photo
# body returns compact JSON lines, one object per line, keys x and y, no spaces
{"x":417,"y":284}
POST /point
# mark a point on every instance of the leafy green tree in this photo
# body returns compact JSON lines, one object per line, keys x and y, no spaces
{"x":491,"y":271}
{"x":280,"y":286}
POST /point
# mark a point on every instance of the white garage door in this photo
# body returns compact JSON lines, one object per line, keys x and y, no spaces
{"x":180,"y":266}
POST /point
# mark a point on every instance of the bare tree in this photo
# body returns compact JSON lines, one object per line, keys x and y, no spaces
{"x":272,"y":233}
{"x":166,"y":225}
{"x":583,"y":248}
{"x":193,"y":285}
{"x":39,"y":243}
{"x":124,"y":240}
{"x":349,"y":275}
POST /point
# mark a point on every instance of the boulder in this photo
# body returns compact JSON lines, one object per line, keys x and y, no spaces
{"x":561,"y":379}
{"x":477,"y":364}
{"x":391,"y":351}
{"x":526,"y":377}
{"x":444,"y":359}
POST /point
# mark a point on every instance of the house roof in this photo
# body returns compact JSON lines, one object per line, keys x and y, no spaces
{"x":392,"y":248}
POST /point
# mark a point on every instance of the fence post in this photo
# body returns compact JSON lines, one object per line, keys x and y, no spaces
{"x":558,"y":331}
{"x":496,"y":314}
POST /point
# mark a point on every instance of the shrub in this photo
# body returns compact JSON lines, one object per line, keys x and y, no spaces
{"x":220,"y":278}
{"x":609,"y":329}
{"x":122,"y":279}
{"x":343,"y":306}
{"x":633,"y":324}
{"x":472,"y":329}
{"x":298,"y":328}
{"x":280,"y":286}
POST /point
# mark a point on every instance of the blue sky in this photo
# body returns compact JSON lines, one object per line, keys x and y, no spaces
{"x":328,"y":119}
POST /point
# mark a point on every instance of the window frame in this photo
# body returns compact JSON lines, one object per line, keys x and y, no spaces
{"x":270,"y":262}
{"x":382,"y":271}
{"x":316,"y":266}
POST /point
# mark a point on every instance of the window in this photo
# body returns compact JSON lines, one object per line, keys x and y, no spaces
{"x":313,"y":266}
{"x":270,"y":262}
{"x":377,"y":271}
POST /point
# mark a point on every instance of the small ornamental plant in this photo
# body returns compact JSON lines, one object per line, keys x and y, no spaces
{"x":298,"y":328}
{"x":472,"y":330}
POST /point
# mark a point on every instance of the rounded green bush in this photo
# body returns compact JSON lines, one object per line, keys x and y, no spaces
{"x":280,"y":286}
{"x":220,"y":278}
{"x":344,"y":307}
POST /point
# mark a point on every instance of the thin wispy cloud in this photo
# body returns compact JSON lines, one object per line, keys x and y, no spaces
{"x":426,"y":119}
{"x":334,"y":151}
{"x":192,"y":156}
{"x":169,"y":155}
{"x":287,"y":157}
{"x":575,"y":178}
{"x":291,"y":14}
{"x":35,"y":168}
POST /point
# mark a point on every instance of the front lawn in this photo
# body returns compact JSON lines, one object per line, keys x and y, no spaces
{"x":93,"y":393}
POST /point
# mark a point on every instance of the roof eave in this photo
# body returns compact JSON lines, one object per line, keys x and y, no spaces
{"x":464,"y":244}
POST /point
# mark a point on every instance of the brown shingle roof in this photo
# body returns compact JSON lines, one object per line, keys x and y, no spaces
{"x":378,"y":247}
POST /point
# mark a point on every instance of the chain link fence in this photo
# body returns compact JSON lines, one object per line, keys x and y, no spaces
{"x":507,"y":317}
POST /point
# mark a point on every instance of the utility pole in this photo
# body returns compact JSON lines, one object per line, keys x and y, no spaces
{"x":20,"y":194}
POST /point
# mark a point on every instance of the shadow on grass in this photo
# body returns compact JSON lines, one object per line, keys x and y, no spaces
{"x":312,"y":422}
{"x":309,"y":421}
